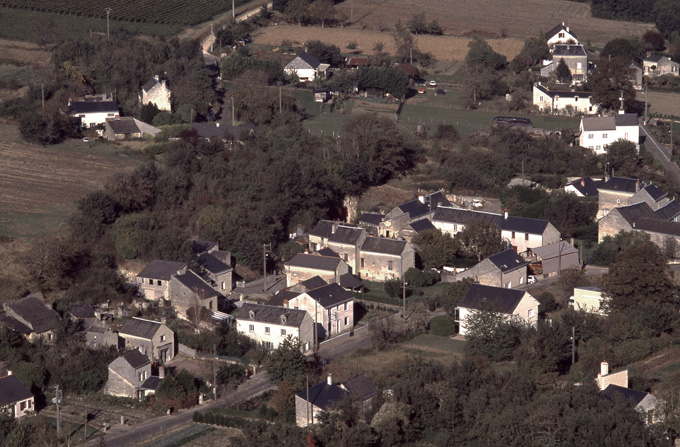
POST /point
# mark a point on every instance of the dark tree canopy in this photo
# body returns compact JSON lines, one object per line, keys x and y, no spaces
{"x":436,"y":249}
{"x":610,"y":78}
{"x":481,"y":239}
{"x":626,"y":49}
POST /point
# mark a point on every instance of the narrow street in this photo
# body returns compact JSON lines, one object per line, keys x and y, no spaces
{"x":661,"y":153}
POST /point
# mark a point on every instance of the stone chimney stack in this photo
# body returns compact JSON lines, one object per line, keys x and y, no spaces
{"x":604,"y":368}
{"x":505,"y":215}
{"x":422,"y":199}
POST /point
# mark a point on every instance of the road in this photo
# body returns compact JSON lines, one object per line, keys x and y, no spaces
{"x":344,"y":344}
{"x":661,"y":153}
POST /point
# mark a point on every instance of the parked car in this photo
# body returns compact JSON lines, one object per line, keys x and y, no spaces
{"x":440,"y":92}
{"x":532,"y":279}
{"x":421,"y":90}
{"x":433,"y":83}
{"x":476,"y":203}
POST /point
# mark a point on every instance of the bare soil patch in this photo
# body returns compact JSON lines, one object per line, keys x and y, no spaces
{"x":513,"y":18}
{"x":441,"y":47}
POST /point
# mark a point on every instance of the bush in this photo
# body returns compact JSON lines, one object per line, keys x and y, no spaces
{"x":421,"y":278}
{"x":443,"y":325}
{"x":393,"y":287}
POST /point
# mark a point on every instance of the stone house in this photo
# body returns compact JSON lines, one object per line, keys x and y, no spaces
{"x":615,"y":192}
{"x":652,"y":196}
{"x":331,"y":308}
{"x":31,"y":317}
{"x":504,"y":269}
{"x":556,"y":257}
{"x":669,"y":212}
{"x":518,"y":305}
{"x":382,"y":259}
{"x":15,"y":399}
{"x":128,"y":127}
{"x":569,"y":102}
{"x":598,"y":132}
{"x":408,"y":212}
{"x":93,"y":113}
{"x":346,"y":241}
{"x":585,"y":187}
{"x":658,"y":65}
{"x":155,"y":91}
{"x":636,"y":72}
{"x":614,"y":387}
{"x":371,"y":222}
{"x":415,"y":228}
{"x":189,"y":290}
{"x":101,"y":337}
{"x":326,"y":396}
{"x":304,"y":266}
{"x":306,"y":67}
{"x":560,"y":35}
{"x":130,"y":376}
{"x":154,"y":279}
{"x":216,"y":270}
{"x":587,"y":299}
{"x":323,"y":230}
{"x":576,"y":58}
{"x":521,"y":233}
{"x":151,"y":338}
{"x":271,"y":325}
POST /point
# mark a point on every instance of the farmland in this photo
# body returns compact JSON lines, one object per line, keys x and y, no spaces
{"x":514,"y":18}
{"x":39,"y":185}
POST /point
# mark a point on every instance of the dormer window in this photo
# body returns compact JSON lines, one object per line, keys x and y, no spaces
{"x":283,"y":319}
{"x":252,"y":314}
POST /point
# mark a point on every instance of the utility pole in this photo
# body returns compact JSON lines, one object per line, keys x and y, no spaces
{"x":573,"y":345}
{"x":57,"y":400}
{"x":266,"y":248}
{"x":645,"y":103}
{"x":316,"y":329}
{"x":108,"y":11}
{"x":215,"y":372}
{"x":233,"y":12}
{"x":42,"y":90}
{"x":233,"y":113}
{"x":307,"y":403}
{"x":280,"y":103}
{"x":403,"y":288}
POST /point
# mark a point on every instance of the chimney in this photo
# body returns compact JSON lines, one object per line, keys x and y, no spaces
{"x":217,"y":124}
{"x":562,"y":23}
{"x":9,"y":372}
{"x":567,"y":29}
{"x":604,"y":369}
{"x":329,"y":379}
{"x":156,"y":78}
{"x":505,"y":215}
{"x":422,"y":199}
{"x":335,"y":226}
{"x":161,"y":372}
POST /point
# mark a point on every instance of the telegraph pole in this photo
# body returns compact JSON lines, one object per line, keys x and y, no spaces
{"x":233,"y":12}
{"x":215,"y":372}
{"x":266,"y":248}
{"x":58,"y":402}
{"x":233,"y":113}
{"x":108,"y":11}
{"x":573,"y":345}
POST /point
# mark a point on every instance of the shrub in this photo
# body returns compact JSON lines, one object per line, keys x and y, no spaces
{"x":421,"y":278}
{"x":443,"y":325}
{"x":393,"y":287}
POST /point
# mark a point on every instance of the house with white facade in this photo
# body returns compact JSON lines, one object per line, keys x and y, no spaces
{"x":561,"y":34}
{"x":597,"y":132}
{"x":15,"y":399}
{"x":576,"y":58}
{"x":306,"y":67}
{"x":156,"y":91}
{"x":658,"y":65}
{"x":271,"y":325}
{"x":515,"y":304}
{"x":587,"y":299}
{"x":563,"y":102}
{"x":93,"y":113}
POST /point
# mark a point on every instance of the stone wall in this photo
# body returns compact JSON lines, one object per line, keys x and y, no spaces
{"x":608,"y":200}
{"x":611,"y":225}
{"x":376,"y":267}
{"x":183,"y":299}
{"x":305,"y":413}
{"x":295,"y":275}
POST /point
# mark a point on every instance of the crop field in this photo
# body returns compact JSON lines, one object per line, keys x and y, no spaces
{"x":447,"y":48}
{"x":39,"y":185}
{"x":513,"y":18}
{"x":168,"y":12}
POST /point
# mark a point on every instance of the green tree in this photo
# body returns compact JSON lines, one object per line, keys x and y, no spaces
{"x":609,"y":79}
{"x":287,"y":362}
{"x":638,"y":276}
{"x":626,"y":49}
{"x":417,"y":24}
{"x":623,"y":158}
{"x":481,"y":239}
{"x":562,"y":71}
{"x":482,"y":66}
{"x":436,"y":249}
{"x":667,"y":16}
{"x":454,"y":293}
{"x":132,"y":235}
{"x":654,"y":40}
{"x":298,"y":10}
{"x":393,"y":287}
{"x":571,"y":215}
{"x":403,"y":41}
{"x":327,"y":53}
{"x":491,"y":334}
{"x":322,"y":11}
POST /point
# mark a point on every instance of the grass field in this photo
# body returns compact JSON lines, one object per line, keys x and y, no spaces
{"x":664,"y":103}
{"x":514,"y":18}
{"x":39,"y":185}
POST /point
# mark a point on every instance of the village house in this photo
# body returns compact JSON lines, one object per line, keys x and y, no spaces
{"x":408,"y":212}
{"x":382,"y":259}
{"x":130,"y":376}
{"x":564,"y":102}
{"x":152,"y":338}
{"x":415,"y":228}
{"x":371,"y":222}
{"x":326,"y":396}
{"x":636,"y":73}
{"x":331,"y":308}
{"x":556,"y":257}
{"x":154,"y":279}
{"x":346,"y":241}
{"x":306,"y":67}
{"x":597,"y":132}
{"x":354,"y":62}
{"x":504,"y":269}
{"x":225,"y":132}
{"x":658,"y":65}
{"x":31,"y":317}
{"x":269,"y":326}
{"x":521,"y":233}
{"x":587,"y":299}
{"x":216,"y":270}
{"x":560,"y":34}
{"x":93,"y":113}
{"x":155,"y":91}
{"x":128,"y":127}
{"x":304,"y":266}
{"x":188,"y":290}
{"x":616,"y":191}
{"x":16,"y":400}
{"x":323,"y":230}
{"x":517,"y":305}
{"x":614,"y":387}
{"x":576,"y":58}
{"x":585,"y":187}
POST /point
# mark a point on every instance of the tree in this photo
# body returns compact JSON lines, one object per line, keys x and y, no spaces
{"x":562,"y":71}
{"x":454,"y":293}
{"x":327,"y":53}
{"x":623,"y":48}
{"x":417,"y":24}
{"x":287,"y":362}
{"x":654,"y":40}
{"x":383,"y":332}
{"x":393,"y":287}
{"x":403,"y":41}
{"x":481,"y":239}
{"x":609,"y":79}
{"x":491,"y":334}
{"x":571,"y":215}
{"x":436,"y":249}
{"x":322,"y":11}
{"x":298,"y":10}
{"x":667,"y":16}
{"x":623,"y":158}
{"x":638,"y":276}
{"x":482,"y":64}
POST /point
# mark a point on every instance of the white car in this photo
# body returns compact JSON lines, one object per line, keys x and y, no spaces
{"x":433,"y":83}
{"x":476,"y":203}
{"x":532,"y":279}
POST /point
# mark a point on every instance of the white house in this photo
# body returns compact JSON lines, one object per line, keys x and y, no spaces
{"x":306,"y":67}
{"x":516,"y":304}
{"x":658,"y":65}
{"x":561,"y":34}
{"x":569,"y":102}
{"x":93,"y":113}
{"x":15,"y":399}
{"x":271,"y":325}
{"x":587,"y":299}
{"x":156,"y":92}
{"x":599,"y":132}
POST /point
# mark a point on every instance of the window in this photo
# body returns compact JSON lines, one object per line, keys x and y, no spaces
{"x":346,"y":321}
{"x":590,"y":136}
{"x":345,"y":307}
{"x":521,"y":280}
{"x":455,"y":228}
{"x":513,"y":234}
{"x":526,"y":236}
{"x":344,"y":257}
{"x":151,"y":282}
{"x":598,"y":147}
{"x":540,"y":99}
{"x":557,"y":98}
{"x":625,"y":135}
{"x":251,"y":328}
{"x":575,"y":98}
{"x":283,"y":332}
{"x":362,"y":262}
{"x":159,"y":282}
{"x":22,"y":406}
{"x":530,"y":313}
{"x":223,"y":286}
{"x":142,"y":376}
{"x":561,"y":35}
{"x":162,"y":337}
{"x":604,"y":135}
{"x":389,"y":265}
{"x":29,"y":404}
{"x":268,"y":345}
{"x":266,"y":330}
{"x":579,"y":65}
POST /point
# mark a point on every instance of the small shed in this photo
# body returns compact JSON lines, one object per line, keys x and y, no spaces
{"x":321,"y":95}
{"x":557,"y":257}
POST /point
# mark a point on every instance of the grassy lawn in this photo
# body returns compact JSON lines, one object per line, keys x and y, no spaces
{"x":437,"y":345}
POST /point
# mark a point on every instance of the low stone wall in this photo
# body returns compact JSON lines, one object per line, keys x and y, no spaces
{"x":183,"y":349}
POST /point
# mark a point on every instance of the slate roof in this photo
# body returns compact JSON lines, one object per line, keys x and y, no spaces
{"x":496,"y":299}
{"x":210,"y":130}
{"x":563,"y":93}
{"x":270,"y":314}
{"x":159,"y":269}
{"x":313,"y":283}
{"x":385,"y":246}
{"x":422,"y":225}
{"x":507,"y":260}
{"x":587,"y":186}
{"x":12,"y":390}
{"x":415,"y":208}
{"x":553,"y":250}
{"x":83,"y":107}
{"x":196,"y":284}
{"x":372,"y":219}
{"x":346,"y":235}
{"x":138,"y":327}
{"x":633,"y":213}
{"x":135,"y":358}
{"x":303,"y":60}
{"x":212,"y":264}
{"x":349,"y":281}
{"x":82,"y":311}
{"x":626,"y":119}
{"x":279,"y":298}
{"x":32,"y":310}
{"x":512,"y":223}
{"x":15,"y":324}
{"x":622,"y":184}
{"x":124,"y":125}
{"x":330,"y":295}
{"x":561,"y":27}
{"x":562,"y":50}
{"x":151,"y":83}
{"x":360,"y":387}
{"x":524,"y":224}
{"x":151,"y":383}
{"x":323,"y":395}
{"x":654,"y":58}
{"x":597,"y":123}
{"x":328,"y":252}
{"x":203,"y":246}
{"x":315,"y":262}
{"x":654,"y":225}
{"x":322,"y":229}
{"x":670,"y":211}
{"x":655,"y":193}
{"x":614,"y":393}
